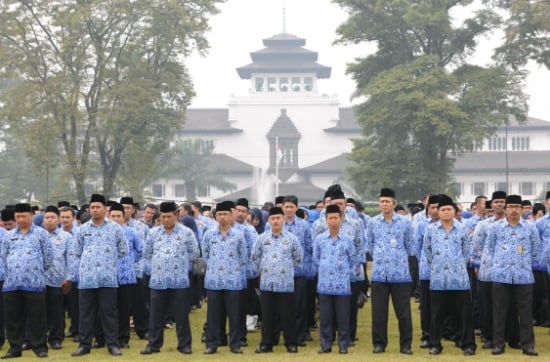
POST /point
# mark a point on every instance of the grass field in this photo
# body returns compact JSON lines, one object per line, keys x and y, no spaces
{"x":361,"y":352}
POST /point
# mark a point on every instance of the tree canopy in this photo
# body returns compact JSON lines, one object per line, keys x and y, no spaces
{"x":424,"y":102}
{"x":103,"y":77}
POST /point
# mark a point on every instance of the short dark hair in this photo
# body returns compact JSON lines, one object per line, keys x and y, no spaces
{"x":290,"y":198}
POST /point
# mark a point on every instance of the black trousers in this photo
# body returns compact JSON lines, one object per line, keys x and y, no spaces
{"x":222,"y":303}
{"x":444,"y":303}
{"x":540,"y":292}
{"x":282,"y":304}
{"x":20,"y":307}
{"x":400,"y":296}
{"x":353,"y":309}
{"x":413,"y":268}
{"x":72,"y":302}
{"x":300,"y":299}
{"x":252,"y":304}
{"x":124,"y":295}
{"x":425,"y":309}
{"x":486,"y":306}
{"x":334,"y":308}
{"x":98,"y":303}
{"x":141,"y":305}
{"x":174,"y":302}
{"x":311,"y":302}
{"x":55,"y":313}
{"x":503,"y":296}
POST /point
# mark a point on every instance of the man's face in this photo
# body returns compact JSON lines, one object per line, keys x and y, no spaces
{"x":341,"y":203}
{"x":148,"y":214}
{"x":241,"y":213}
{"x":276,"y":222}
{"x":10,"y":225}
{"x":481,"y":205}
{"x":168,"y":219}
{"x":526,"y":208}
{"x":223,"y":218}
{"x":334,"y":220}
{"x":128,"y":211}
{"x":320,"y":206}
{"x":513,"y":212}
{"x":51,"y":220}
{"x":66,"y":218}
{"x":23,"y":219}
{"x":181,"y":211}
{"x":97,"y":211}
{"x":196,"y":210}
{"x":498,"y":205}
{"x":447,"y":212}
{"x":289,"y":209}
{"x":433,"y":211}
{"x":386,"y":204}
{"x":117,"y":216}
{"x":327,"y":201}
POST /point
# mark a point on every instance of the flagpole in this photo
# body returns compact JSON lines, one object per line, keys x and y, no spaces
{"x":276,"y":166}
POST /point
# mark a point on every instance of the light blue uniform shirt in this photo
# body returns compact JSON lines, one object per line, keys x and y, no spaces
{"x":275,"y":258}
{"x":250,"y":236}
{"x":390,"y":245}
{"x":448,"y":254}
{"x":2,"y":265}
{"x":63,"y":263}
{"x":169,"y":255}
{"x":26,"y":257}
{"x":333,"y":260}
{"x":127,"y":265}
{"x":513,"y":250}
{"x":99,"y":247}
{"x":226,"y":257}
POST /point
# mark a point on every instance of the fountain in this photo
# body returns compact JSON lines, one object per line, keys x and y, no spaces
{"x":263,"y":187}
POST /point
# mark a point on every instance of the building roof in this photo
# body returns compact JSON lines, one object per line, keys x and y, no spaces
{"x":347,"y":122}
{"x":208,"y":120}
{"x":495,"y":162}
{"x":284,"y":54}
{"x":283,"y":127}
{"x":333,"y":165}
{"x":229,"y":165}
{"x":307,"y":193}
{"x":533,"y":124}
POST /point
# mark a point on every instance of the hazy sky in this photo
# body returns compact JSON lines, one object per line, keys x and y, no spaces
{"x":242,"y":24}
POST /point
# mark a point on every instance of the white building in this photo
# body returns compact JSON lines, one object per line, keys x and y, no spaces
{"x":286,"y":117}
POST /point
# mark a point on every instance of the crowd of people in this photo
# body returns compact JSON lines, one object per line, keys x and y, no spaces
{"x":283,"y":268}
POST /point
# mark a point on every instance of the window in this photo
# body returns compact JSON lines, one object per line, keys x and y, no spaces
{"x":179,"y":190}
{"x":497,"y":144}
{"x":203,"y":190}
{"x":271,"y":84}
{"x":526,"y":188}
{"x":204,"y":146}
{"x":478,"y":145}
{"x":158,"y":190}
{"x":308,"y":84}
{"x":296,"y":84}
{"x":501,"y":186}
{"x":457,"y":186}
{"x":520,"y":143}
{"x":478,"y":188}
{"x":283,"y":84}
{"x":259,"y":84}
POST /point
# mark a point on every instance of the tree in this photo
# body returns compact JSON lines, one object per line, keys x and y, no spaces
{"x":102,"y":74}
{"x":424,"y":102}
{"x":191,"y":161}
{"x":527,"y":33}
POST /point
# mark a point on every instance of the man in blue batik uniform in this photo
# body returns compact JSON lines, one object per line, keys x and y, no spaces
{"x":513,"y":245}
{"x":169,"y":249}
{"x":99,"y":244}
{"x":275,"y":254}
{"x":225,"y":251}
{"x":390,"y":242}
{"x":27,"y":254}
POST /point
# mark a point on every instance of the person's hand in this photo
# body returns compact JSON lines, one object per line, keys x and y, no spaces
{"x":66,"y":286}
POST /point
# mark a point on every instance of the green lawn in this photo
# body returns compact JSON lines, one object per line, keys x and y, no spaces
{"x":361,"y":352}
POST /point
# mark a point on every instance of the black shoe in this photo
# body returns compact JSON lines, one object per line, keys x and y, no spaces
{"x":424,"y":343}
{"x":25,"y":347}
{"x":435,"y":351}
{"x":469,"y":351}
{"x":55,"y":345}
{"x":488,"y":345}
{"x":243,"y":344}
{"x":41,"y":354}
{"x":378,"y":349}
{"x":309,"y":338}
{"x":69,"y":335}
{"x":236,"y":350}
{"x":497,"y":350}
{"x":81,"y":351}
{"x":98,"y":344}
{"x":292,"y":349}
{"x":114,"y":351}
{"x":124,"y":345}
{"x":530,"y":352}
{"x":302,"y":344}
{"x":406,"y":350}
{"x":185,"y":350}
{"x":328,"y":350}
{"x":76,"y":339}
{"x":351,"y":344}
{"x":143,"y":336}
{"x":343,"y":350}
{"x":149,"y":350}
{"x":210,"y":350}
{"x":264,"y":349}
{"x":11,"y":354}
{"x":514,"y":345}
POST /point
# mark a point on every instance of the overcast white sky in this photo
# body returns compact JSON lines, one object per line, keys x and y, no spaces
{"x":242,"y":24}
